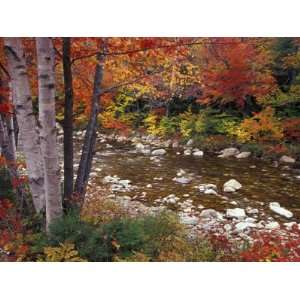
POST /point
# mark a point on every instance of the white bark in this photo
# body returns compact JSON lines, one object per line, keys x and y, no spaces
{"x":46,"y":80}
{"x":26,"y":119}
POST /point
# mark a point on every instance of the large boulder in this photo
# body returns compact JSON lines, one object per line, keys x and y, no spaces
{"x":243,"y":155}
{"x":188,"y":220}
{"x":287,"y":159}
{"x":238,"y":213}
{"x":275,"y":207}
{"x":159,"y":152}
{"x":228,"y":152}
{"x":231,"y":185}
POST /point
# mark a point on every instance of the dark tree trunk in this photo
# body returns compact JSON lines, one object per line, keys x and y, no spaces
{"x":91,"y":132}
{"x":68,"y":120}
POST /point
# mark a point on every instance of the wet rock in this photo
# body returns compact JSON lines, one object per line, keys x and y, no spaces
{"x":231,"y":185}
{"x":198,"y":153}
{"x":182,"y":180}
{"x":238,"y":213}
{"x":210,"y":192}
{"x":159,"y":152}
{"x":287,"y":159}
{"x":228,"y":152}
{"x":243,"y":155}
{"x":275,"y":207}
{"x":187,"y":152}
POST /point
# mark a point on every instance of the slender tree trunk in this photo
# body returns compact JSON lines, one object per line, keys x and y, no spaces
{"x":46,"y":82}
{"x":91,"y":131}
{"x":26,"y":119}
{"x":68,"y":120}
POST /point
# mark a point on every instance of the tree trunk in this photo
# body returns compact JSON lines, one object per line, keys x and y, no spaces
{"x":91,"y":131}
{"x":46,"y":83}
{"x":68,"y":120}
{"x":26,"y":120}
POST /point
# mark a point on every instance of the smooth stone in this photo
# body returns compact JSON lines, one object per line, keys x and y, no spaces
{"x":159,"y":152}
{"x":231,"y":185}
{"x":210,"y":192}
{"x":187,"y":152}
{"x":183,"y":180}
{"x":228,"y":152}
{"x":275,"y":207}
{"x":238,"y":213}
{"x":241,"y":226}
{"x":287,"y":159}
{"x":243,"y":155}
{"x":198,"y":153}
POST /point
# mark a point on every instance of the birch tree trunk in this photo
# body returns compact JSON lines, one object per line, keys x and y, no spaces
{"x":91,"y":131}
{"x":68,"y":120}
{"x":26,"y":120}
{"x":46,"y":83}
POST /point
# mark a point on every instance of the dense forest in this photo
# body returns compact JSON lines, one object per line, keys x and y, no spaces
{"x":103,"y":139}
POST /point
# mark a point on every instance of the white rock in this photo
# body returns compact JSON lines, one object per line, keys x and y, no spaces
{"x":183,"y":180}
{"x":251,"y":210}
{"x":231,"y":185}
{"x":241,"y":226}
{"x":228,"y":152}
{"x":275,"y":207}
{"x":290,"y":225}
{"x":149,"y":185}
{"x":272,"y":225}
{"x":243,"y":155}
{"x":211,"y":214}
{"x":238,"y":213}
{"x":198,"y":153}
{"x":287,"y":159}
{"x":159,"y":152}
{"x":187,"y":152}
{"x":210,"y":192}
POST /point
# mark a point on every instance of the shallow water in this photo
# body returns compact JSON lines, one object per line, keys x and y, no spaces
{"x":262,"y":183}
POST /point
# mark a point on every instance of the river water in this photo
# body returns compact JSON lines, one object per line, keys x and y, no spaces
{"x":262,"y":183}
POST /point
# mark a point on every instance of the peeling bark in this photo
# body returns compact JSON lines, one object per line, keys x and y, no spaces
{"x":26,"y":120}
{"x":46,"y":83}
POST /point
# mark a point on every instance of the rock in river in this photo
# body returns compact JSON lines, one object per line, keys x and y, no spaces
{"x":287,"y":159}
{"x":198,"y":153}
{"x":159,"y":152}
{"x":183,"y":180}
{"x":231,"y":185}
{"x":275,"y":207}
{"x":243,"y":155}
{"x":228,"y":152}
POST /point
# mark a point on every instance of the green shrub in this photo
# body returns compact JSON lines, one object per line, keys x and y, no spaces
{"x":6,"y":189}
